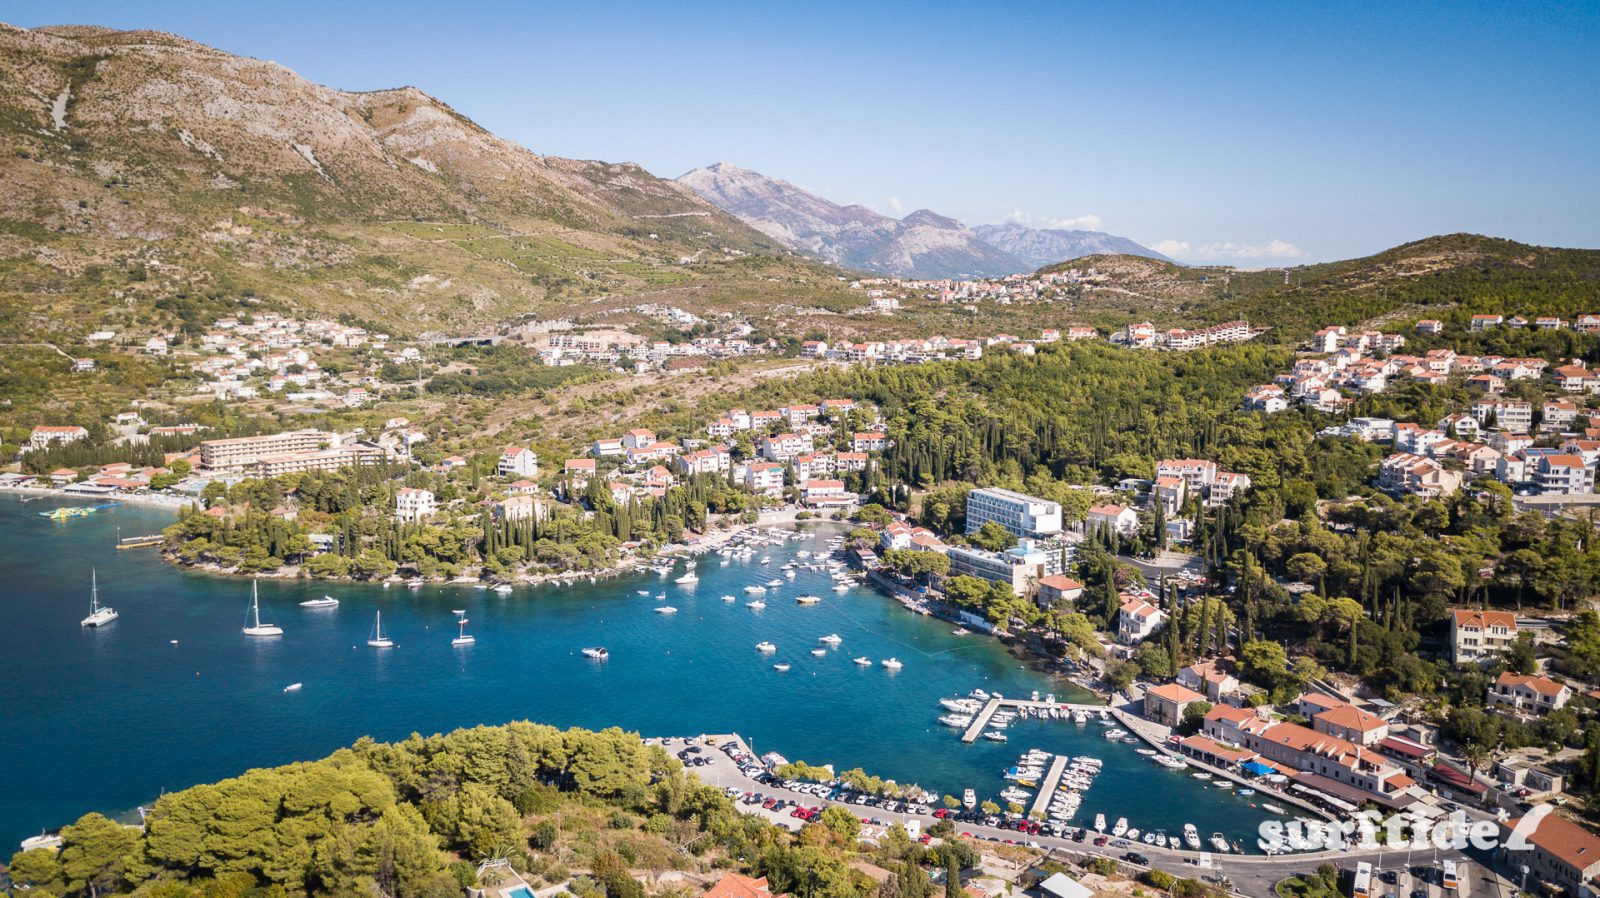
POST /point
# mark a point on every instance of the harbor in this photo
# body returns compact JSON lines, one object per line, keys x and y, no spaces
{"x":209,"y":702}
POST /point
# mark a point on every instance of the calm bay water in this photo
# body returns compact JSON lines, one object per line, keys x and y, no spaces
{"x":105,"y":719}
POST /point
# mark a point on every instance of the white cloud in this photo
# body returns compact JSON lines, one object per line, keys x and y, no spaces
{"x":1226,"y":251}
{"x":894,"y":204}
{"x":1086,"y":222}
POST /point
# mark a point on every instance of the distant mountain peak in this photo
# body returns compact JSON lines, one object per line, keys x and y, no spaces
{"x":922,"y":244}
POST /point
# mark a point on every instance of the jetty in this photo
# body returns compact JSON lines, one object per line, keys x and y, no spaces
{"x":1047,"y":788}
{"x":981,"y":721}
{"x":140,"y":542}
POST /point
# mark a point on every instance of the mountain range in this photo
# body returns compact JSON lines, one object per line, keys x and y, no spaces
{"x":922,"y":244}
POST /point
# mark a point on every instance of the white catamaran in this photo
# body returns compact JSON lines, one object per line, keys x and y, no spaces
{"x":98,"y":614}
{"x":254,"y":626}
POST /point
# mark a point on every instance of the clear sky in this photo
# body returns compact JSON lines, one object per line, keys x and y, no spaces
{"x":1253,"y":133}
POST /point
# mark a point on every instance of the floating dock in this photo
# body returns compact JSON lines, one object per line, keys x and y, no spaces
{"x":981,"y":721}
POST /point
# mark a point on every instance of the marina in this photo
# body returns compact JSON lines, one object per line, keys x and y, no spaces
{"x":181,"y":696}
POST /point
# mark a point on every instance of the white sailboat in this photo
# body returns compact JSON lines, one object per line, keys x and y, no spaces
{"x":461,"y":631}
{"x":255,"y":627}
{"x":98,"y":614}
{"x":378,"y":640}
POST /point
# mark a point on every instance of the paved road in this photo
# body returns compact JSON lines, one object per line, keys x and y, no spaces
{"x":1251,"y":875}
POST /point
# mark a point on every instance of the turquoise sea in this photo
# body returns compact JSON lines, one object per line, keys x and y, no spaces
{"x":106,"y":719}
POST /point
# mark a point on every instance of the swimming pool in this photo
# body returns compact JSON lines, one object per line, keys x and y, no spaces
{"x":518,"y":892}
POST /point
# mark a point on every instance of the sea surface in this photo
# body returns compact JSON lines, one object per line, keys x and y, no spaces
{"x":172,"y":694}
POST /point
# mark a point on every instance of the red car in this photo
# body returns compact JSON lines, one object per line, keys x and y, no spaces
{"x":925,"y":838}
{"x":1101,"y":841}
{"x":942,"y":813}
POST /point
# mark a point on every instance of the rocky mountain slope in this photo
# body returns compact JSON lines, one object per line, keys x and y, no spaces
{"x":1039,"y":247}
{"x":144,"y":168}
{"x":923,"y":244}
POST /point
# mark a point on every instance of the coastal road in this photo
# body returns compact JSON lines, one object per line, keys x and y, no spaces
{"x":1252,"y":875}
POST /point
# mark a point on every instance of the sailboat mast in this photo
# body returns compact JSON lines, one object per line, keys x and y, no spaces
{"x":94,"y":590}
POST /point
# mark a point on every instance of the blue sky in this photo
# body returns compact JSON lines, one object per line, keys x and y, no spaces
{"x":1252,"y":133}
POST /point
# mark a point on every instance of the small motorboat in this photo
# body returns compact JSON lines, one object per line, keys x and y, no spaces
{"x":960,"y":631}
{"x":1273,"y":808}
{"x":1099,"y":823}
{"x":864,"y":662}
{"x":324,"y":602}
{"x":892,"y":663}
{"x":293,"y":687}
{"x":1219,"y":843}
{"x":831,"y":639}
{"x":1191,"y":837}
{"x":1245,"y":793}
{"x":596,"y":652}
{"x":781,"y":666}
{"x":666,"y":609}
{"x":1120,"y":827}
{"x":503,"y":589}
{"x":819,"y":652}
{"x":807,"y":600}
{"x":1202,"y":775}
{"x":757,"y":605}
{"x":995,"y":736}
{"x":729,"y":599}
{"x":765,"y":646}
{"x":688,"y":578}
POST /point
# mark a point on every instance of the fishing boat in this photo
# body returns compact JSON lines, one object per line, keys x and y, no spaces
{"x":690,"y":577}
{"x":765,"y":646}
{"x":892,"y":663}
{"x":864,"y":662}
{"x":324,"y":602}
{"x":596,"y":653}
{"x":254,"y":626}
{"x":1191,"y":837}
{"x":807,"y":600}
{"x":461,"y":631}
{"x":293,"y":687}
{"x":831,"y":639}
{"x":98,"y":614}
{"x":666,"y":609}
{"x":1120,"y":827}
{"x":1099,"y":823}
{"x":1219,"y":843}
{"x":378,"y":640}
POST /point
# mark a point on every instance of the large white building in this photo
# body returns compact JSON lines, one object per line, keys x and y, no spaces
{"x":1017,"y":567}
{"x":1021,"y":514}
{"x":414,"y":504}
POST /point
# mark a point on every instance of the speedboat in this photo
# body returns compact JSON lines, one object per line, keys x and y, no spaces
{"x":690,"y":577}
{"x":1120,"y":827}
{"x":892,"y":663}
{"x":1099,"y":823}
{"x":765,"y":646}
{"x":596,"y":652}
{"x":864,"y":662}
{"x":781,"y":666}
{"x":969,"y":799}
{"x":1014,"y":794}
{"x":1219,"y":843}
{"x":1191,"y":837}
{"x":964,"y":705}
{"x":666,"y":609}
{"x":831,"y":639}
{"x":995,"y":736}
{"x":324,"y":602}
{"x":1132,"y":833}
{"x":98,"y":614}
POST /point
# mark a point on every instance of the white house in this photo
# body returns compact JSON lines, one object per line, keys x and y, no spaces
{"x":517,"y":461}
{"x":414,"y":504}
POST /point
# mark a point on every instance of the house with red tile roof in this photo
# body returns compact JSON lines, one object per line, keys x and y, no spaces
{"x":1481,"y":635}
